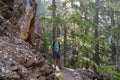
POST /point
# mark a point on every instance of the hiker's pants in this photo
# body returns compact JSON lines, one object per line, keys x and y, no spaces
{"x":56,"y":54}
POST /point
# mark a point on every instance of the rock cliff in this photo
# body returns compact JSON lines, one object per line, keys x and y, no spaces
{"x":20,"y":40}
{"x":18,"y":17}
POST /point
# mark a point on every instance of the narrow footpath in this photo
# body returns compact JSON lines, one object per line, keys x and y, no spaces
{"x":70,"y":74}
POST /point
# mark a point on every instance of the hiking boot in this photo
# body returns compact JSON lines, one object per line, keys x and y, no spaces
{"x":57,"y":68}
{"x":53,"y":67}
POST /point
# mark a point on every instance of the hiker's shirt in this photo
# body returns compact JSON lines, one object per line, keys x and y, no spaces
{"x":56,"y":46}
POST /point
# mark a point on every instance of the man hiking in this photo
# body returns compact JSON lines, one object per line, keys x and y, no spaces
{"x":56,"y":53}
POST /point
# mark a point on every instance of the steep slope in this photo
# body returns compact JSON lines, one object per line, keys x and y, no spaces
{"x":20,"y":40}
{"x":20,"y":62}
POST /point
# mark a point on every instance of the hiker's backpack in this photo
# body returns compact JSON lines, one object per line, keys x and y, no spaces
{"x":53,"y":44}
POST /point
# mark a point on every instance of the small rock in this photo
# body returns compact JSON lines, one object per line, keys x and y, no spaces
{"x":21,"y":60}
{"x":29,"y":62}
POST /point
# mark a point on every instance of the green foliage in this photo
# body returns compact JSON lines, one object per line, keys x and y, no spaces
{"x":51,"y":7}
{"x":46,"y":42}
{"x":58,"y":20}
{"x":59,"y":74}
{"x":81,"y":22}
{"x":46,"y":18}
{"x":116,"y":30}
{"x":109,"y":72}
{"x":115,"y":6}
{"x":82,"y":60}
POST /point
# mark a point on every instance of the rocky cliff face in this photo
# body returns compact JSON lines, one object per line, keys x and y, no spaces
{"x":19,"y":28}
{"x":18,"y":17}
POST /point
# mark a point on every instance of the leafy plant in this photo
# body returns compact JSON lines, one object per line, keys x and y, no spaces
{"x":46,"y":42}
{"x":109,"y":72}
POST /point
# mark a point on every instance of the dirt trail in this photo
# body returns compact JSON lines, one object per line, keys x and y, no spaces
{"x":67,"y":75}
{"x":70,"y":74}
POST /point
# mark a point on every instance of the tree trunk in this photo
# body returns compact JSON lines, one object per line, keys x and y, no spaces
{"x":118,"y":56}
{"x":65,"y":44}
{"x":113,"y":49}
{"x":54,"y":15}
{"x":86,"y":32}
{"x":96,"y":21}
